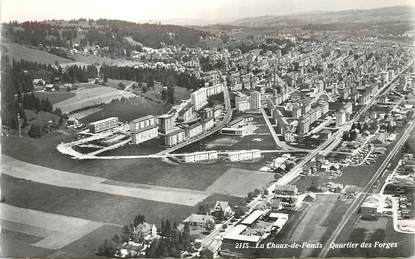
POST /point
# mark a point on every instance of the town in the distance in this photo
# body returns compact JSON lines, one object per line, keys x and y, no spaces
{"x":279,"y":136}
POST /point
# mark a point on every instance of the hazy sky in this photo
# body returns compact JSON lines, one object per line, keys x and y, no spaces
{"x":144,"y":10}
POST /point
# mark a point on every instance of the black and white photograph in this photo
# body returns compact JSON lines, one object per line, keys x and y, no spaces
{"x":207,"y":128}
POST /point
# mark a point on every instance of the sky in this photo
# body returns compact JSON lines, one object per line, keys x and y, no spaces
{"x":146,"y":10}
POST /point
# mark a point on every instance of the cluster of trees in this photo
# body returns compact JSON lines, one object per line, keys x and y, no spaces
{"x":270,"y":45}
{"x":105,"y":33}
{"x":251,"y":195}
{"x":357,"y":128}
{"x":116,"y":45}
{"x":171,"y":242}
{"x":76,"y":73}
{"x":167,"y":77}
{"x":279,"y":171}
{"x":109,"y":247}
{"x":21,"y":73}
{"x":167,"y":94}
{"x":154,"y":35}
{"x":207,"y":64}
{"x":17,"y":77}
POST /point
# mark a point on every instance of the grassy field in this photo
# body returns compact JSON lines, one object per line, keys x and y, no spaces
{"x":115,"y":82}
{"x":91,"y":96}
{"x":87,"y":204}
{"x":17,"y":51}
{"x":41,"y":116}
{"x":128,"y":110}
{"x":55,"y":97}
{"x":237,"y":182}
{"x":149,"y":171}
{"x":43,"y":152}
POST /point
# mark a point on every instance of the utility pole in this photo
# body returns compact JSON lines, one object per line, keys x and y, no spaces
{"x":19,"y":122}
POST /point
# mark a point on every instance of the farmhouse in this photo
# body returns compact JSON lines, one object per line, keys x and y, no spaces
{"x":222,"y":209}
{"x":285,"y":190}
{"x":198,"y":220}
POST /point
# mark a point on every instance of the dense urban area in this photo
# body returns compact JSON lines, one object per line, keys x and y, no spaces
{"x":126,"y":139}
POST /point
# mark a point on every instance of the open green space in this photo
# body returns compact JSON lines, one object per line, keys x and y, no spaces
{"x":13,"y":245}
{"x":17,"y":51}
{"x":55,"y":97}
{"x":128,"y":110}
{"x":88,"y":244}
{"x":87,"y":204}
{"x":43,"y":152}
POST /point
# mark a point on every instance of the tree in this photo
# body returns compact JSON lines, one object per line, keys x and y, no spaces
{"x":170,"y":94}
{"x":36,"y":130}
{"x":121,"y":86}
{"x":239,"y":211}
{"x":117,"y":239}
{"x":144,"y":89}
{"x":139,"y":219}
{"x":203,"y":209}
{"x":105,"y":78}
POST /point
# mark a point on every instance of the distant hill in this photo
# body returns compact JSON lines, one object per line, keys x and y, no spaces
{"x":378,"y":15}
{"x":186,"y":22}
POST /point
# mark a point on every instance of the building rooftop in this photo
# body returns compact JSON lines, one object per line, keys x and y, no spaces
{"x":198,"y":218}
{"x":235,"y":234}
{"x":251,"y":218}
{"x":147,"y":117}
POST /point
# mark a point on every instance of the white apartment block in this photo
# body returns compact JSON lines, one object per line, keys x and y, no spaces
{"x":199,"y":98}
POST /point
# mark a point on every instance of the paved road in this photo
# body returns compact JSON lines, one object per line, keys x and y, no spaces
{"x":361,"y":196}
{"x":23,"y":170}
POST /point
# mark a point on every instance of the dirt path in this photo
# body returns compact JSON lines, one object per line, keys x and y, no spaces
{"x":23,"y":170}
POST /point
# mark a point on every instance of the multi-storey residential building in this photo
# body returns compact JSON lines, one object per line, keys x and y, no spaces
{"x":214,"y":89}
{"x":206,"y":113}
{"x":242,"y":102}
{"x":296,"y":110}
{"x":194,"y":130}
{"x":208,"y":124}
{"x":217,"y":111}
{"x":187,"y":113}
{"x":141,"y":135}
{"x":143,"y":129}
{"x":102,"y":125}
{"x":143,"y":122}
{"x":174,"y":137}
{"x":200,"y":156}
{"x":304,"y":125}
{"x":340,"y":117}
{"x":244,"y":155}
{"x":166,"y":123}
{"x":255,"y":100}
{"x":199,"y":98}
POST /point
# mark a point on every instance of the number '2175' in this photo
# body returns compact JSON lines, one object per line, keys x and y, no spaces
{"x":241,"y":245}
